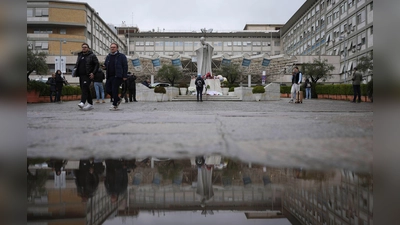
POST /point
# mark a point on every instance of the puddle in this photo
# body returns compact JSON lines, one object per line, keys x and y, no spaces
{"x":197,"y":190}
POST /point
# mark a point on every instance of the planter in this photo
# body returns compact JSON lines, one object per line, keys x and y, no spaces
{"x":257,"y":97}
{"x":225,"y":91}
{"x":183,"y":91}
{"x":159,"y":97}
{"x":32,"y":96}
{"x":44,"y":98}
{"x":231,"y":93}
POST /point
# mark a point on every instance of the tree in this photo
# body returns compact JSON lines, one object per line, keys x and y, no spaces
{"x":317,"y":70}
{"x":36,"y":62}
{"x":231,"y":72}
{"x":365,"y":63}
{"x":170,"y":73}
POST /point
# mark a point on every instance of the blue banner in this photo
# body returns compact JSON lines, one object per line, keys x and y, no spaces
{"x":265,"y":62}
{"x":246,"y":62}
{"x":156,"y":62}
{"x":226,"y":62}
{"x":136,"y":62}
{"x":176,"y":62}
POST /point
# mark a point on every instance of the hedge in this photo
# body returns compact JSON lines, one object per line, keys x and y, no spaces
{"x":332,"y":89}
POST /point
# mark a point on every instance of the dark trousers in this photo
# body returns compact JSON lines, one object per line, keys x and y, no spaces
{"x":58,"y":93}
{"x":53,"y":93}
{"x":356,"y":93}
{"x":112,"y":88}
{"x":132,"y":94}
{"x":85,"y":89}
{"x":199,"y":93}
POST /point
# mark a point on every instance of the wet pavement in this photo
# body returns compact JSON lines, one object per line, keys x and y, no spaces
{"x":318,"y":134}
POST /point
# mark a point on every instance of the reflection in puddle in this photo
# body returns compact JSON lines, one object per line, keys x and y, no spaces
{"x":197,"y":190}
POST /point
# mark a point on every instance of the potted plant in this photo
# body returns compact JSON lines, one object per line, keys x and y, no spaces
{"x":160,"y":91}
{"x":183,"y":88}
{"x":231,"y":91}
{"x":224,"y":87}
{"x":258,"y":91}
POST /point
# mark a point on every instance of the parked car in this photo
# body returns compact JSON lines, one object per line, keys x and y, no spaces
{"x":159,"y":84}
{"x":42,"y":79}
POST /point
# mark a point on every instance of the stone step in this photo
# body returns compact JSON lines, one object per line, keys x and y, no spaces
{"x":206,"y":98}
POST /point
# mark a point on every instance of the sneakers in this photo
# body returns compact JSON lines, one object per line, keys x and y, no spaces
{"x":88,"y":107}
{"x":119,"y":102}
{"x":113,"y":108}
{"x":97,"y":101}
{"x":291,"y":101}
{"x":81,"y":105}
{"x":103,"y":101}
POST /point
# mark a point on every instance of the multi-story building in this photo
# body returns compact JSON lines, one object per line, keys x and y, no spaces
{"x":60,"y":27}
{"x":331,"y":27}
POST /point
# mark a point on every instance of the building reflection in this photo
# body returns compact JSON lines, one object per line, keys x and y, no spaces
{"x":164,"y":185}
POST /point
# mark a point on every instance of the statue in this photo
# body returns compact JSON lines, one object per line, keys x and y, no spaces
{"x":204,"y":57}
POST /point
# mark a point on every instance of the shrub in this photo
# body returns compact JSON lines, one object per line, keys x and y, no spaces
{"x":258,"y":89}
{"x":34,"y":85}
{"x":231,"y":89}
{"x":285,"y":89}
{"x":160,"y":89}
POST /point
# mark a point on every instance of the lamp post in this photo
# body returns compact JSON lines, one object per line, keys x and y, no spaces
{"x":62,"y":41}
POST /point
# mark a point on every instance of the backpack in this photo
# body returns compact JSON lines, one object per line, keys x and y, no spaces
{"x":199,"y":83}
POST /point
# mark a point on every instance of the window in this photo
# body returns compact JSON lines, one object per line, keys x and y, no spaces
{"x":371,"y":30}
{"x":350,"y":3}
{"x":371,"y":6}
{"x":361,"y":17}
{"x":89,"y":19}
{"x":277,"y":52}
{"x":343,"y":8}
{"x":29,"y":12}
{"x":63,"y":31}
{"x":277,"y":43}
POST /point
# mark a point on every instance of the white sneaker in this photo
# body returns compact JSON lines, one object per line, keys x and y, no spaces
{"x":88,"y":107}
{"x":81,"y":105}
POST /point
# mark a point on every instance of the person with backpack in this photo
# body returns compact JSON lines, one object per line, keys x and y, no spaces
{"x":132,"y":87}
{"x":199,"y":87}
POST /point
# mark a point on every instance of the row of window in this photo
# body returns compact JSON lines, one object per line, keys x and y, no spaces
{"x":37,"y":12}
{"x":190,"y":53}
{"x":195,"y":44}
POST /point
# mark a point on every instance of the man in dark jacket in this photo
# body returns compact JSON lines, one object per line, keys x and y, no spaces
{"x":132,"y":87}
{"x":116,"y":65}
{"x":199,"y":87}
{"x":59,"y":85}
{"x":52,"y":82}
{"x":86,"y":66}
{"x":357,"y":78}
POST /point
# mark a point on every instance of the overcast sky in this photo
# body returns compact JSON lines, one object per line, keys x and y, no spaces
{"x":192,"y":15}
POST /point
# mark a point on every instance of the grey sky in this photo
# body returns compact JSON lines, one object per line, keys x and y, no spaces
{"x":184,"y":15}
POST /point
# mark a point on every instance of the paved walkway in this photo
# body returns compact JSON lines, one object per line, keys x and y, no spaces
{"x":318,"y":133}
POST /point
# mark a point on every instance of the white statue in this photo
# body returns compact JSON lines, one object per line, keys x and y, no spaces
{"x":204,"y":57}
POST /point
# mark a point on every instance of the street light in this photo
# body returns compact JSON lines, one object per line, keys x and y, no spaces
{"x":62,"y":41}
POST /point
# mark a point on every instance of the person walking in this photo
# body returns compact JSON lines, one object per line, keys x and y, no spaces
{"x":86,"y":66}
{"x":357,"y":78}
{"x":53,"y":91}
{"x":98,"y":85}
{"x":199,"y":87}
{"x":296,"y":82}
{"x":116,"y":65}
{"x":132,"y":87}
{"x":308,"y":88}
{"x":59,"y":85}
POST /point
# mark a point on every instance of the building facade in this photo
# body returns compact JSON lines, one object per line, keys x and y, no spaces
{"x":60,"y":27}
{"x":332,"y":27}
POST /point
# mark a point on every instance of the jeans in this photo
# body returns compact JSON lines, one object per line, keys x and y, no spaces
{"x":98,"y":86}
{"x":112,"y":88}
{"x":199,"y":93}
{"x":308,"y":93}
